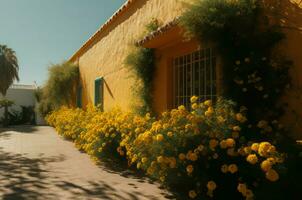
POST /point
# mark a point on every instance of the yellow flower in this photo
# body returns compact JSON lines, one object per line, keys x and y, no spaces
{"x":170,"y":134}
{"x":144,"y":160}
{"x":247,"y":150}
{"x":230,"y":142}
{"x":220,"y":119}
{"x":211,"y":185}
{"x":266,"y":165}
{"x":240,"y":117}
{"x":172,"y":163}
{"x":150,"y":170}
{"x":236,"y":128}
{"x":194,"y":106}
{"x":193,"y":99}
{"x":153,"y":164}
{"x":182,"y":108}
{"x":223,"y":144}
{"x":264,"y":149}
{"x":255,"y":147}
{"x":182,"y":156}
{"x":262,"y":124}
{"x":252,"y":158}
{"x":237,"y":62}
{"x":200,"y":148}
{"x":209,"y":112}
{"x":192,"y":194}
{"x":190,"y":169}
{"x":162,"y":178}
{"x":249,"y":194}
{"x":272,"y":160}
{"x":138,"y":165}
{"x":159,"y":137}
{"x":242,"y":188}
{"x":160,"y":159}
{"x":208,"y":103}
{"x":272,"y":175}
{"x":233,"y":168}
{"x":192,"y":156}
{"x":213,"y":143}
{"x":224,"y":168}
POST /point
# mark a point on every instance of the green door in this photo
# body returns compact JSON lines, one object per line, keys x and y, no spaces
{"x":99,"y":92}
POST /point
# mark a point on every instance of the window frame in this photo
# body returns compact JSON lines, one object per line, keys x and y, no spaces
{"x":182,"y":98}
{"x":99,"y":92}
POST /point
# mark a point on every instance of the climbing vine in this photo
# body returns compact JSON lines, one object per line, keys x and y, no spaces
{"x":255,"y":76}
{"x":141,"y":61}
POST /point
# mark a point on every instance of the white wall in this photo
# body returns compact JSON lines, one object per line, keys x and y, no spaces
{"x":22,"y":96}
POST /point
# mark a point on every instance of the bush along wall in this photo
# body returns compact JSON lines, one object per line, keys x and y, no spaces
{"x":200,"y":152}
{"x":255,"y":74}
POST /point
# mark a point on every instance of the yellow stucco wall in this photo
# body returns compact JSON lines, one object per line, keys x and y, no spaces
{"x":106,"y":57}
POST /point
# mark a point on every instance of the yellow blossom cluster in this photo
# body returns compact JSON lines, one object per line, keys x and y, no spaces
{"x":180,"y":143}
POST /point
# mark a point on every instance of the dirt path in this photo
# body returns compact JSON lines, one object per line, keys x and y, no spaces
{"x":35,"y":163}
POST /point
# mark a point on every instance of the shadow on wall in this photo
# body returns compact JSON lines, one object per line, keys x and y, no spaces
{"x":291,"y":21}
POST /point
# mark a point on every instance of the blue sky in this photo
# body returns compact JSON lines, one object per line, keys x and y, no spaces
{"x":49,"y":31}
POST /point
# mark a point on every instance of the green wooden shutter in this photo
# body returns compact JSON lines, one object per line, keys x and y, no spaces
{"x":79,"y":97}
{"x":99,"y":92}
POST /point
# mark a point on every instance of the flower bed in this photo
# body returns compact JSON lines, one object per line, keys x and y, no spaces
{"x":203,"y":151}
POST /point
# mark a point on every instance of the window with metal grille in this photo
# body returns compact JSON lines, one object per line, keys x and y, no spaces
{"x":194,"y":74}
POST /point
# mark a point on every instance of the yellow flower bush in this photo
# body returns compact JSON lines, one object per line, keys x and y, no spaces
{"x":203,"y":149}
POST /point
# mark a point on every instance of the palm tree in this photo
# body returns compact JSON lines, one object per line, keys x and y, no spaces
{"x":9,"y":69}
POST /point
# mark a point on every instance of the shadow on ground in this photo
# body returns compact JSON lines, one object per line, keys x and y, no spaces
{"x":21,"y":129}
{"x":24,"y":177}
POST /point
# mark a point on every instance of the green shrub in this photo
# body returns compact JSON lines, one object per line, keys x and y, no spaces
{"x":60,"y":87}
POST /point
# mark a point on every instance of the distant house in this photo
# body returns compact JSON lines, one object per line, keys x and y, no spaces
{"x":183,"y":68}
{"x":22,"y":96}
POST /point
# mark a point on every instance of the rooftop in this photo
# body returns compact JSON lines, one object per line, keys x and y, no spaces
{"x":23,"y":86}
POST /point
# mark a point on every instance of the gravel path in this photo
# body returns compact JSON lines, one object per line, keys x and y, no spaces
{"x":35,"y":163}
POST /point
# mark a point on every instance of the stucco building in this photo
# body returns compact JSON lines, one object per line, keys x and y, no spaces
{"x":183,"y":67}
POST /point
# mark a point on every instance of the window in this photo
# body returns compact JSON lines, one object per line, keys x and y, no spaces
{"x":99,"y":92}
{"x":194,"y":74}
{"x":79,"y":97}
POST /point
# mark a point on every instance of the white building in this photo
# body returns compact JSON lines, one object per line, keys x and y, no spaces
{"x":21,"y":95}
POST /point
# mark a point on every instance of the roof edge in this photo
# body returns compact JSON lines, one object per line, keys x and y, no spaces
{"x":87,"y":44}
{"x":161,"y":30}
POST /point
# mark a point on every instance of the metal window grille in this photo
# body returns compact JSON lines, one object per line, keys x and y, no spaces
{"x":194,"y":74}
